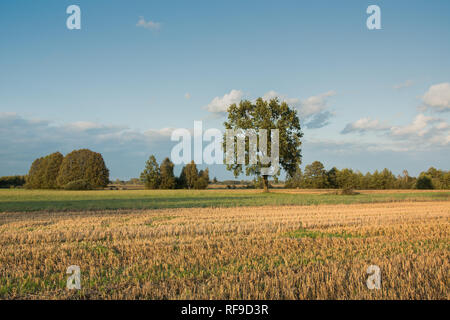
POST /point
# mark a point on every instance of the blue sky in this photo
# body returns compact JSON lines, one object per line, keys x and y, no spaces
{"x":368,"y":99}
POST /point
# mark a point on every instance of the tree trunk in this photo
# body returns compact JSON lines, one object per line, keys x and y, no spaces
{"x":266,"y":183}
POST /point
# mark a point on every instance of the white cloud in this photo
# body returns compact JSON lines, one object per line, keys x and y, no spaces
{"x":438,"y":97}
{"x":313,"y":111}
{"x":419,"y":127}
{"x":364,"y":125}
{"x":424,"y":132}
{"x":125,"y":150}
{"x":406,"y":84}
{"x":315,"y":104}
{"x":221,"y":104}
{"x":148,"y":24}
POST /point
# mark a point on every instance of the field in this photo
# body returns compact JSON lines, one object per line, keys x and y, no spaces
{"x":232,"y":244}
{"x":18,"y":200}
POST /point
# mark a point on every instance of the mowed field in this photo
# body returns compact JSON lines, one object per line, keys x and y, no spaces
{"x":229,"y":244}
{"x":19,"y":200}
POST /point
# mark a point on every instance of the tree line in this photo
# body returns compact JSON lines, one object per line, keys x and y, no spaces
{"x":78,"y":170}
{"x":161,"y":176}
{"x":12,"y":181}
{"x":316,"y":177}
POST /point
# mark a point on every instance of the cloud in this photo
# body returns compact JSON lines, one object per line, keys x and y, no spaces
{"x":221,"y":104}
{"x":419,"y":127}
{"x":437,"y":97}
{"x":423,"y":133}
{"x":364,"y":125}
{"x":125,"y":150}
{"x":148,"y":24}
{"x":292,"y":102}
{"x":319,"y":120}
{"x":313,"y":111}
{"x":315,"y":104}
{"x":406,"y":84}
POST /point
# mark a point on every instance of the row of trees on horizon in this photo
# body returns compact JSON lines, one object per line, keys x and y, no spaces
{"x":316,"y":177}
{"x":161,"y":176}
{"x":84,"y":169}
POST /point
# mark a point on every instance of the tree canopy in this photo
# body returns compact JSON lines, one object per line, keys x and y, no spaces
{"x":267,"y":115}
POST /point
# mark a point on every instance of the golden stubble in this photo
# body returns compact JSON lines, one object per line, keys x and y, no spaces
{"x":275,"y":252}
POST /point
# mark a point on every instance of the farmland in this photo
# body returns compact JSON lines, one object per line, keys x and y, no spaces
{"x":229,"y":244}
{"x":19,"y":200}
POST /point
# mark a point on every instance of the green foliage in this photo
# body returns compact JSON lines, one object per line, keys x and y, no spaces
{"x":44,"y":171}
{"x":424,"y":182}
{"x":191,"y":174}
{"x":52,"y":166}
{"x":81,"y":184}
{"x":151,"y":176}
{"x":200,"y":183}
{"x":167,"y":177}
{"x":315,"y":176}
{"x":12,"y":181}
{"x":267,"y":115}
{"x":86,"y":165}
{"x":348,"y":180}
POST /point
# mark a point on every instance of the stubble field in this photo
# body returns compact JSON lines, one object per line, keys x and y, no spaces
{"x":268,"y":252}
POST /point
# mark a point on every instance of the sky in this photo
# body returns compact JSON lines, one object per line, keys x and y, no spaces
{"x":137,"y":70}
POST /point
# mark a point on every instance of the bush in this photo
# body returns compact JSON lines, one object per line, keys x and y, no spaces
{"x":78,"y":185}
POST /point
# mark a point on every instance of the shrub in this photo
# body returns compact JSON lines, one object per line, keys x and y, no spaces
{"x":78,"y":185}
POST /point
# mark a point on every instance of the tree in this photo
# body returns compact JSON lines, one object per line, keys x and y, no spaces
{"x":267,"y":115}
{"x":167,"y":176}
{"x":51,"y":170}
{"x":295,"y":181}
{"x":86,"y":165}
{"x":44,"y":172}
{"x":332,"y":178}
{"x":387,"y":179}
{"x":181,"y":182}
{"x":347,"y":179}
{"x":191,"y":174}
{"x":151,"y":176}
{"x":12,"y":181}
{"x":424,"y":182}
{"x":315,"y":175}
{"x":34,"y":177}
{"x":204,"y":174}
{"x":201,"y":183}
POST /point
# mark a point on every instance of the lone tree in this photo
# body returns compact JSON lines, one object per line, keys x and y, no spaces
{"x":151,"y":176}
{"x":267,"y":115}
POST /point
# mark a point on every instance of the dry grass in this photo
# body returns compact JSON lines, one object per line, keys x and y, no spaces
{"x":293,"y":252}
